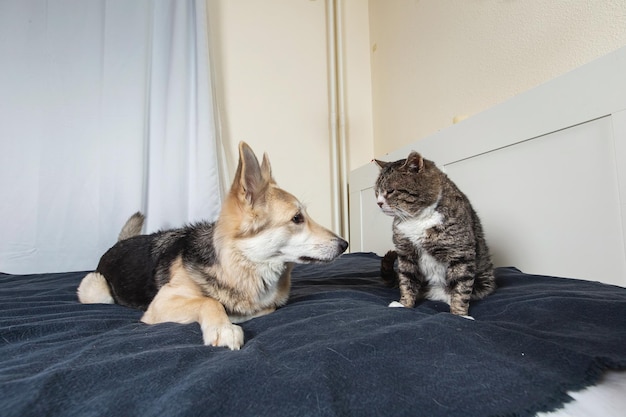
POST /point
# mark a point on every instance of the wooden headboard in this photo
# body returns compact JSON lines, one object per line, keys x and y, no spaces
{"x":546,"y":172}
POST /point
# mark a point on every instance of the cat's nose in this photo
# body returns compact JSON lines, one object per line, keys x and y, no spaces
{"x":380,"y":204}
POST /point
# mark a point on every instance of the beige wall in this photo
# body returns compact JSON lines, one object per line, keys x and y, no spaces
{"x":271,"y":71}
{"x":410,"y":68}
{"x":434,"y":60}
{"x":358,"y":82}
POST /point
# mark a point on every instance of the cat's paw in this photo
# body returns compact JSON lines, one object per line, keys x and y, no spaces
{"x":395,"y":304}
{"x":468,"y":317}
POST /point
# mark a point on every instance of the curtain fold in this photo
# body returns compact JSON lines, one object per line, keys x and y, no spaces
{"x":180,"y":181}
{"x":105,"y":109}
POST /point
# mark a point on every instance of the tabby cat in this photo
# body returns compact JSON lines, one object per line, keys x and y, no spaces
{"x":439,"y":243}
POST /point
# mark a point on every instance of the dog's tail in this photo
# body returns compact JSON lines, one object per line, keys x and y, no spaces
{"x":387,"y":271}
{"x":93,"y":289}
{"x":132,"y":227}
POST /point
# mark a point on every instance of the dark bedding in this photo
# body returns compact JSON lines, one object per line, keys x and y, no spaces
{"x":334,"y":349}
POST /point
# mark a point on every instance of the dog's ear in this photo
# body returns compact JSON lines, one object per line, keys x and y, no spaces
{"x":249,"y":179}
{"x":266,"y":169}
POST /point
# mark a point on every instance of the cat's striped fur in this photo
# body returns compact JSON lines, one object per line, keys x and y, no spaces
{"x":439,"y":242}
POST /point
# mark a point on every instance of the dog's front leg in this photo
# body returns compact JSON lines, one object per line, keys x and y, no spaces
{"x":236,"y":318}
{"x":217,"y":330}
{"x":179,"y":305}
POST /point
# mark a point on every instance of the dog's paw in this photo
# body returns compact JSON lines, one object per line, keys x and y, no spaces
{"x":396,"y":304}
{"x":227,"y":335}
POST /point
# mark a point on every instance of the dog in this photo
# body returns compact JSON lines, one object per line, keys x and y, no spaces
{"x":216,"y":274}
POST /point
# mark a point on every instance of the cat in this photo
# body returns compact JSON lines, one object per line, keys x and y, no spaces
{"x":439,"y":242}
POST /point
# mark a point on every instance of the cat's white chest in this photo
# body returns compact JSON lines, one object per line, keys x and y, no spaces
{"x":415,"y":228}
{"x":434,"y":271}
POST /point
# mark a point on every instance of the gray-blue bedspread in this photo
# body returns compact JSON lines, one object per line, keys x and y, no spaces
{"x":335,"y":349}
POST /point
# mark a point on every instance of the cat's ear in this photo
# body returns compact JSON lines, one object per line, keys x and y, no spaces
{"x":381,"y":164}
{"x":414,"y":162}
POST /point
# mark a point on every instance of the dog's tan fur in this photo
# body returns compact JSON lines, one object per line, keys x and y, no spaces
{"x":261,"y":231}
{"x":181,"y":301}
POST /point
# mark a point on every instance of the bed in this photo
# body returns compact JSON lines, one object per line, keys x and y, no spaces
{"x":335,"y":349}
{"x":550,"y":341}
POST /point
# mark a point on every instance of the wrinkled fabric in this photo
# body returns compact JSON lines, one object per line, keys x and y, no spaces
{"x":335,"y":349}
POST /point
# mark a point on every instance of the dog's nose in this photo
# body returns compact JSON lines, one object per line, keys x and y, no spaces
{"x":343,"y":245}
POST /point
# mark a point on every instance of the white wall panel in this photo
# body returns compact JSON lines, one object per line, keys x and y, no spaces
{"x":550,"y":205}
{"x":546,"y":171}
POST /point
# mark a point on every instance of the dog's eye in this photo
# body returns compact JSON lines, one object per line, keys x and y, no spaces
{"x":298,"y":218}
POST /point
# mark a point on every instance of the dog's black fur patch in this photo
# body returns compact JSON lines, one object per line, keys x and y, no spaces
{"x":137,"y":268}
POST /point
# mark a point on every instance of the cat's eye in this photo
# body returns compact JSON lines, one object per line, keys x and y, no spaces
{"x":298,"y":218}
{"x":390,"y":191}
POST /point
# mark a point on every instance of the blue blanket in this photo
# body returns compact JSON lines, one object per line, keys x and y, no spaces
{"x":335,"y":349}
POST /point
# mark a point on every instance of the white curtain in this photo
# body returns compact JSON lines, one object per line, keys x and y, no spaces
{"x":105,"y":109}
